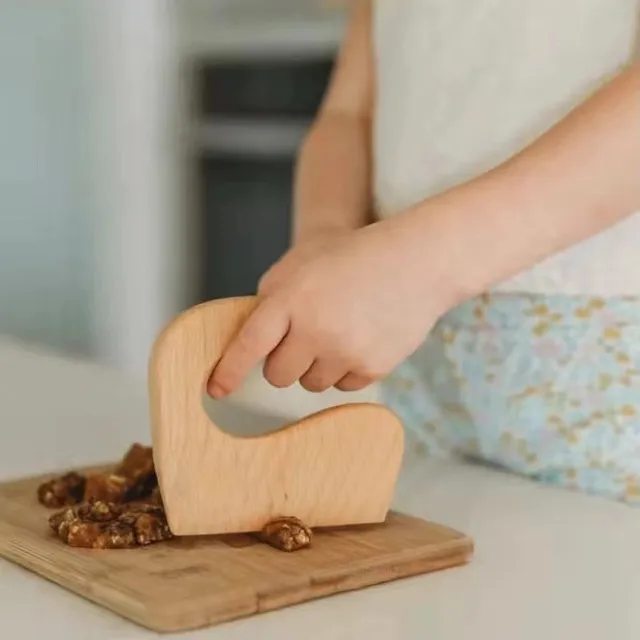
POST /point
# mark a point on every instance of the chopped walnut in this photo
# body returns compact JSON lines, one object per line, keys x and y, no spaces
{"x":141,"y":488}
{"x":137,"y":466}
{"x":60,"y":522}
{"x":59,"y":492}
{"x":286,"y":534}
{"x":156,"y":497}
{"x":137,"y":463}
{"x":107,"y":487}
{"x":134,"y":478}
{"x":123,"y":508}
{"x":97,"y":512}
{"x":152,"y":527}
{"x":101,"y":525}
{"x":101,"y":535}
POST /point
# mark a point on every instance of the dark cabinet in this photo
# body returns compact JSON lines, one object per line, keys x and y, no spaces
{"x":252,"y":118}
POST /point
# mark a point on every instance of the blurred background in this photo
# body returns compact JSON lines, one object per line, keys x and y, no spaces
{"x":146,"y":157}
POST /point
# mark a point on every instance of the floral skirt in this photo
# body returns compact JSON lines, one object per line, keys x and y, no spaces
{"x":544,"y":386}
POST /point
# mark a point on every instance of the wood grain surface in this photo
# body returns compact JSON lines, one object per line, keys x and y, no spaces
{"x":194,"y":582}
{"x":335,"y":467}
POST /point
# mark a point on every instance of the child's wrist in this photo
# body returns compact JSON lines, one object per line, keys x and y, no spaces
{"x":446,"y":271}
{"x":318,"y":231}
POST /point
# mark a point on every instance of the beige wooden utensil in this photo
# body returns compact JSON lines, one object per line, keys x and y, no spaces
{"x":335,"y":467}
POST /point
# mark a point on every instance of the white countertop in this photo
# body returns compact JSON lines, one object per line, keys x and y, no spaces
{"x":549,"y":564}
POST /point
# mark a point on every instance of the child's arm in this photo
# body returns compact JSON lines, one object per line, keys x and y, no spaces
{"x":332,"y":191}
{"x":575,"y":181}
{"x":352,"y":313}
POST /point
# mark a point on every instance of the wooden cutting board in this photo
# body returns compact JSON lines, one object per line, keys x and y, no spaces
{"x":195,"y":582}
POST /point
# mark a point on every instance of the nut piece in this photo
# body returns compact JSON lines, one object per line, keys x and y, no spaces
{"x":137,"y":463}
{"x":98,"y":511}
{"x":100,"y":535}
{"x":152,"y":527}
{"x":64,"y":490}
{"x":60,"y":522}
{"x":134,"y":478}
{"x":107,"y":487}
{"x":156,"y":497}
{"x":103,"y":525}
{"x":286,"y":534}
{"x":137,"y":466}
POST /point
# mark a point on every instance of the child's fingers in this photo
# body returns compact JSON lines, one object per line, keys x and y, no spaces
{"x":257,"y":338}
{"x":288,"y":362}
{"x":323,"y":374}
{"x":354,"y":382}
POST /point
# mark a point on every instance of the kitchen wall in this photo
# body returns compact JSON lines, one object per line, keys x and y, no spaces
{"x":90,"y":232}
{"x":45,"y":224}
{"x":92,"y":228}
{"x":89,"y":227}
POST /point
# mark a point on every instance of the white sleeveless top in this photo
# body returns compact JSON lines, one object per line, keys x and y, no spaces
{"x":462,"y":86}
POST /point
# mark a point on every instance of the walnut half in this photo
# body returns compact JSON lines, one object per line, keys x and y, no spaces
{"x":286,"y":534}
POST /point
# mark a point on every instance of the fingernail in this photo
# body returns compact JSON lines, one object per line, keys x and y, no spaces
{"x":217,"y":391}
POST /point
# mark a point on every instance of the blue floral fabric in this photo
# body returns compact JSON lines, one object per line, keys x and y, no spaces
{"x":544,"y":386}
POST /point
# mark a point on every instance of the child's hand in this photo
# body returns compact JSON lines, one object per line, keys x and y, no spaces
{"x":301,"y":253}
{"x":345,"y":317}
